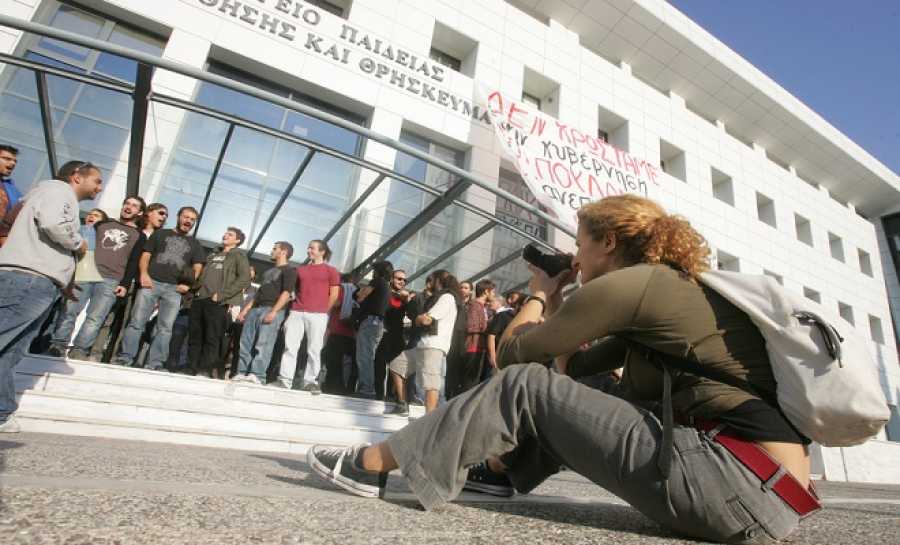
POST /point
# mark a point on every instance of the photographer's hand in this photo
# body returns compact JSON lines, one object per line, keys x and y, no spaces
{"x":543,"y":286}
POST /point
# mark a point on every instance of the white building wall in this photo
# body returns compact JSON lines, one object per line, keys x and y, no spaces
{"x":508,"y":42}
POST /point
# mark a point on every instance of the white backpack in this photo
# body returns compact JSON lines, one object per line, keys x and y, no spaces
{"x":828,"y":383}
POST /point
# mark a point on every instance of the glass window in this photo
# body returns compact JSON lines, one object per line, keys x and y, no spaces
{"x":507,"y":242}
{"x":89,"y":123}
{"x":405,"y":202}
{"x":257,"y":168}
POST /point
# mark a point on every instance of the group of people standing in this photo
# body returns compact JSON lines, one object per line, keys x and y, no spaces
{"x":115,"y":289}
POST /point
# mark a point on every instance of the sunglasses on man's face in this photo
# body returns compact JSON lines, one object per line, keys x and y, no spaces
{"x":400,"y":280}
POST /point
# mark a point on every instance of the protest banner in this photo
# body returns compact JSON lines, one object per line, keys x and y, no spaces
{"x":562,"y":165}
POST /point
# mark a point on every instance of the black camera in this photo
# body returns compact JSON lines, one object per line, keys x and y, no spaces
{"x":552,"y":264}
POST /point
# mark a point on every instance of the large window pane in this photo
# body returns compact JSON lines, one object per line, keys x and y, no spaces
{"x":21,"y":127}
{"x":77,"y":21}
{"x":233,"y":201}
{"x":309,"y":212}
{"x":405,"y":202}
{"x":251,"y":150}
{"x":119,"y":67}
{"x":105,"y":105}
{"x":506,"y":241}
{"x":90,"y":123}
{"x":258,"y":167}
{"x":202,"y":134}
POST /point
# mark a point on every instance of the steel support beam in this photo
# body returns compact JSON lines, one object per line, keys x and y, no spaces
{"x":197,"y":74}
{"x":353,"y":207}
{"x":178,"y":68}
{"x":506,"y":260}
{"x":284,"y":196}
{"x":456,"y":247}
{"x":412,"y":227}
{"x":215,"y":174}
{"x":240,"y":122}
{"x":138,"y":128}
{"x":47,"y":121}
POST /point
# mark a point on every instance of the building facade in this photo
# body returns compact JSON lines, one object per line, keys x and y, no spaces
{"x":774,"y":188}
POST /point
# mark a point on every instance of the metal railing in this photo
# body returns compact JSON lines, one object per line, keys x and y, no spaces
{"x":142,"y":95}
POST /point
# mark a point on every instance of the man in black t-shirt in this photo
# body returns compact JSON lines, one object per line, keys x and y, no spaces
{"x":262,"y":316}
{"x":373,"y":302}
{"x":171,"y":262}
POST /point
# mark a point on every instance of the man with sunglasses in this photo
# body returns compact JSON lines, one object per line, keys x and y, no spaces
{"x":171,"y":261}
{"x":106,"y":346}
{"x":118,"y":250}
{"x":392,"y":341}
{"x":37,"y":261}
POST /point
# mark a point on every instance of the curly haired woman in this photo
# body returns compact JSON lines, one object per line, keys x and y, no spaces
{"x":641,"y":302}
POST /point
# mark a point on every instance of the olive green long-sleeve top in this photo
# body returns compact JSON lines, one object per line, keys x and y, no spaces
{"x":653,"y":306}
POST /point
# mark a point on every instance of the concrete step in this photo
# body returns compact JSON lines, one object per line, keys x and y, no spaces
{"x":38,"y":366}
{"x":101,"y":400}
{"x":230,"y":400}
{"x":64,"y":425}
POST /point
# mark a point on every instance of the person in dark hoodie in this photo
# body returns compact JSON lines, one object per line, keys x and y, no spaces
{"x":221,"y":284}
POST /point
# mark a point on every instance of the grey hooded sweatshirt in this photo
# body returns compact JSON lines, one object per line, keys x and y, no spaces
{"x":46,"y":233}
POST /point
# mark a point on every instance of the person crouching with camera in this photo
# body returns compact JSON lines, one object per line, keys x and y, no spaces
{"x":640,"y":295}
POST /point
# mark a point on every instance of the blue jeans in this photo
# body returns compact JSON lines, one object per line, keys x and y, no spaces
{"x":65,"y":321}
{"x":25,"y":302}
{"x":257,"y":342}
{"x":99,"y":298}
{"x":169,"y":301}
{"x":367,"y":338}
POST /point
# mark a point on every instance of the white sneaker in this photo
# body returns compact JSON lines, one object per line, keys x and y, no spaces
{"x":253,"y":379}
{"x":10,"y":426}
{"x":239,"y":378}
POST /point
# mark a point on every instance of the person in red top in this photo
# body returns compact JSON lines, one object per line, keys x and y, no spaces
{"x":474,"y":359}
{"x":318,"y":286}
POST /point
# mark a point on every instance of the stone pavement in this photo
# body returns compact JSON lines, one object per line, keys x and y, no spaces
{"x":78,"y":490}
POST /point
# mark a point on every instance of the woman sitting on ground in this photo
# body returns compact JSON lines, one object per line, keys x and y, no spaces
{"x":640,"y":297}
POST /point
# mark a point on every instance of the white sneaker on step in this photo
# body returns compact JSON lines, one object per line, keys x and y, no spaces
{"x":10,"y":426}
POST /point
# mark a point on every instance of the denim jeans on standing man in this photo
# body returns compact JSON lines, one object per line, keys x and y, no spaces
{"x":26,"y":300}
{"x":257,"y":341}
{"x":65,"y":320}
{"x":169,"y":303}
{"x":367,"y":338}
{"x":102,"y":297}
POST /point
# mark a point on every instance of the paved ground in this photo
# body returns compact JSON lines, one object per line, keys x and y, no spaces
{"x":71,"y":490}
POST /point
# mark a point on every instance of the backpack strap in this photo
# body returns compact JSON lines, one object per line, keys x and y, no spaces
{"x":829,"y":334}
{"x":666,"y":361}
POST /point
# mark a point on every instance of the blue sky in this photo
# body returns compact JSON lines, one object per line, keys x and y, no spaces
{"x":842,"y":59}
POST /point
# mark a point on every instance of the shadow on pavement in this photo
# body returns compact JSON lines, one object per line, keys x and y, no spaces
{"x":618,"y":518}
{"x":289,"y":463}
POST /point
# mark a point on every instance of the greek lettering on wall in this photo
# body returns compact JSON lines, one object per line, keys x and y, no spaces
{"x":299,"y":23}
